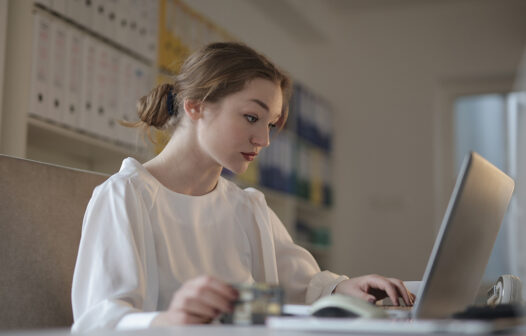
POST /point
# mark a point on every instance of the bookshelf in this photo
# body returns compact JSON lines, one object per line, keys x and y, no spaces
{"x":299,"y":191}
{"x":47,"y":129}
{"x":295,"y":172}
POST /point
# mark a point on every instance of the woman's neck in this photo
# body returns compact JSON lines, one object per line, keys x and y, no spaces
{"x":182,"y":167}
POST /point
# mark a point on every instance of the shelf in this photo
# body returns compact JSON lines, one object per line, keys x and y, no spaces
{"x":308,"y":206}
{"x":45,"y":134}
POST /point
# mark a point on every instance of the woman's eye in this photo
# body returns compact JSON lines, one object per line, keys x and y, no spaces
{"x":251,"y":119}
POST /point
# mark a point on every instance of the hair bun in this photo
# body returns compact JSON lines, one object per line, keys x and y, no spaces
{"x":158,"y":106}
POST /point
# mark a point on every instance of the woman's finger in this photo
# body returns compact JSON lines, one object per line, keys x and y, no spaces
{"x":219,"y":287}
{"x":203,"y":296}
{"x":212,"y":299}
{"x":404,"y":293}
{"x":391,"y":291}
{"x":413,"y":298}
{"x":387,"y":286}
{"x":196,"y":307}
{"x":213,"y":293}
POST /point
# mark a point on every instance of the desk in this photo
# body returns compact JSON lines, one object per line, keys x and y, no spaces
{"x":202,"y":330}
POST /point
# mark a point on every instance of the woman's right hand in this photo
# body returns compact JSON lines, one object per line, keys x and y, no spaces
{"x":198,"y":301}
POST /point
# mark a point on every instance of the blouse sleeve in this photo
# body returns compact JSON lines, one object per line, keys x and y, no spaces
{"x":115,"y":281}
{"x":298,"y":271}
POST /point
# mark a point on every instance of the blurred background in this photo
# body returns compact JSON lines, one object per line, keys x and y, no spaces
{"x":389,"y":97}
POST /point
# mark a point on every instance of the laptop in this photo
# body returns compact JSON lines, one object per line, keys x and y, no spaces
{"x":465,"y":241}
{"x":462,"y":247}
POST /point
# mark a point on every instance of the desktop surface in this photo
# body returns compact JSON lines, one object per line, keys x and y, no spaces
{"x":197,"y":330}
{"x":216,"y":330}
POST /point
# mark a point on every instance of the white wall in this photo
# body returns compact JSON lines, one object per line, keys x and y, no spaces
{"x":402,"y":60}
{"x":383,"y":68}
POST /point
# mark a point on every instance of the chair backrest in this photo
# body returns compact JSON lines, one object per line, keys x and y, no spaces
{"x":41,"y":211}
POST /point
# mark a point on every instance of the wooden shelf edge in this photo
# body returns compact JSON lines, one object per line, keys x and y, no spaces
{"x":76,"y":143}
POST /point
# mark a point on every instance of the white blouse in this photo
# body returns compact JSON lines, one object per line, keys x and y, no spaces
{"x":141,"y":241}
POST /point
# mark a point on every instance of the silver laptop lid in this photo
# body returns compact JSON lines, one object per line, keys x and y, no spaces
{"x":464,"y":243}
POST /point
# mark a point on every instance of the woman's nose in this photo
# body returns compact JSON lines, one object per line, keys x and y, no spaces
{"x":262,"y":138}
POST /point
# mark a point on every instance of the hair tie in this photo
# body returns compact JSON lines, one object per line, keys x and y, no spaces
{"x":170,"y":102}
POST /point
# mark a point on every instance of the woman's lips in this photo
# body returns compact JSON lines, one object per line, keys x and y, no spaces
{"x":249,"y":156}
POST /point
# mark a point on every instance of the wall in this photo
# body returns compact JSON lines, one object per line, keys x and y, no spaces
{"x":403,"y":60}
{"x":385,"y":68}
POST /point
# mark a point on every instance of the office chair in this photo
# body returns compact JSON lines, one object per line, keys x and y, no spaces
{"x":41,"y":211}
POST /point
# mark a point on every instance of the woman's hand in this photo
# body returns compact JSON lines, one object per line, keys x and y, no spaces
{"x":198,"y":301}
{"x":375,"y":287}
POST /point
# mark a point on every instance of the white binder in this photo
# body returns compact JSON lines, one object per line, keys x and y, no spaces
{"x":123,"y":22}
{"x":74,"y":10}
{"x":127,"y":110}
{"x":98,"y":18}
{"x":59,"y":6}
{"x":41,"y":66}
{"x":139,"y":89}
{"x":84,"y":13}
{"x":137,"y":93}
{"x":89,"y":64}
{"x":110,"y":27}
{"x":147,"y":86}
{"x":132,"y":36}
{"x":45,"y":3}
{"x":58,"y":70}
{"x":101,"y":87}
{"x":152,"y":30}
{"x":73,"y":78}
{"x":113,"y":94}
{"x":143,"y":22}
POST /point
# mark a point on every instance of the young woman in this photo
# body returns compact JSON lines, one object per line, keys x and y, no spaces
{"x":162,"y":242}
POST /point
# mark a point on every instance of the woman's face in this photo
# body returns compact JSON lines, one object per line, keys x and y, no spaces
{"x":234,"y":130}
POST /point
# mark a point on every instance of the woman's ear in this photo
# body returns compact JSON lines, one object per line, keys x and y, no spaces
{"x":193,"y":109}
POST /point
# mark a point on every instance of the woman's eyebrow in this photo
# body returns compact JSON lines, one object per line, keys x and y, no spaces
{"x":260,"y":103}
{"x":264,"y":106}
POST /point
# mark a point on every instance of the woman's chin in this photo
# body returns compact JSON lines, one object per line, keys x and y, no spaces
{"x":238,"y":169}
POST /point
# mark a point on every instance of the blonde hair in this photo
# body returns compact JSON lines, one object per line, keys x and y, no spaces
{"x":208,"y":75}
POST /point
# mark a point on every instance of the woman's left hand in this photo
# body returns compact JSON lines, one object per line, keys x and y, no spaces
{"x":375,"y":287}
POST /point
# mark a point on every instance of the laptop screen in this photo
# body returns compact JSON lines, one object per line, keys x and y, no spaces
{"x":465,"y":240}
